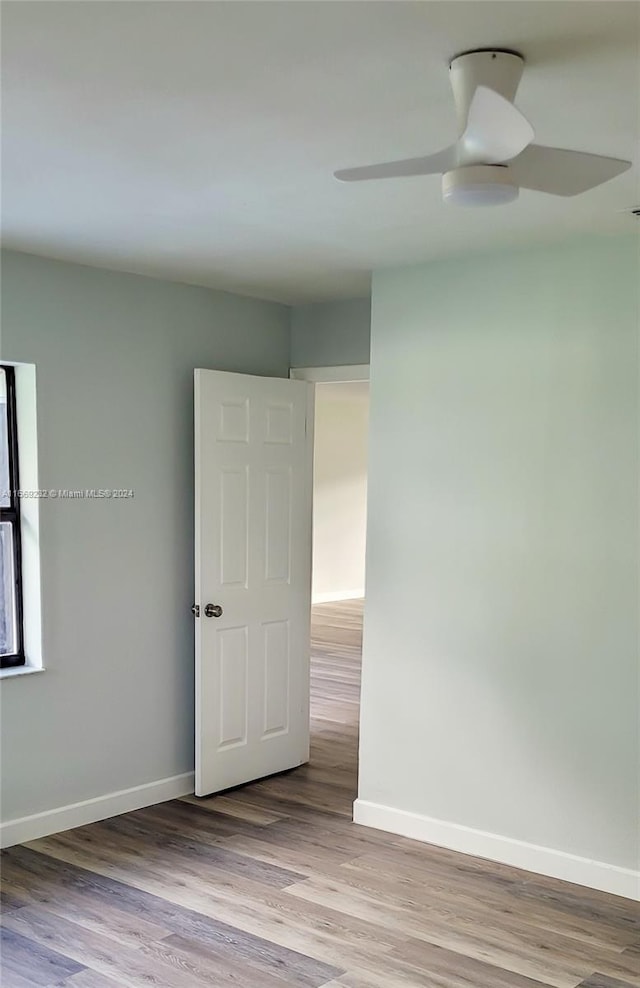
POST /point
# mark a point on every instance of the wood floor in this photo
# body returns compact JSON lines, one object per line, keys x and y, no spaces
{"x":272,"y":885}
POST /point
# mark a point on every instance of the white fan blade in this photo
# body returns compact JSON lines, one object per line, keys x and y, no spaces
{"x":432,"y":164}
{"x":496,"y":131}
{"x":563,"y":173}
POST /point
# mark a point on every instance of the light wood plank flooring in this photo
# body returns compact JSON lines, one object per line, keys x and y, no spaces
{"x":272,"y":885}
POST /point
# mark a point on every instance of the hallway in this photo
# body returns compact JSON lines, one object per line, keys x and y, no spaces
{"x":272,"y":885}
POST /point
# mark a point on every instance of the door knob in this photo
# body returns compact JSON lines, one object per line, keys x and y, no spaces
{"x":213,"y":610}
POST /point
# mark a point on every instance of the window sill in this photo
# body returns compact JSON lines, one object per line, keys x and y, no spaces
{"x":12,"y":671}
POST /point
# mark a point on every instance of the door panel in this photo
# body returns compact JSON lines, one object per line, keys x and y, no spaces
{"x":253,"y":460}
{"x":276,"y":678}
{"x":234,"y":527}
{"x":233,"y":695}
{"x":278,"y":526}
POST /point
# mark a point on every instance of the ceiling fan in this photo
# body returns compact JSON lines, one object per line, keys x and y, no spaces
{"x":494,"y":156}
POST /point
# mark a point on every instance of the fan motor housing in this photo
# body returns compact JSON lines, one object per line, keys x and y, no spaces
{"x":495,"y":68}
{"x":479,"y":185}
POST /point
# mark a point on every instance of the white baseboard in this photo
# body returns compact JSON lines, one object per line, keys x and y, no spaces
{"x":506,"y":850}
{"x":329,"y":598}
{"x":28,"y":828}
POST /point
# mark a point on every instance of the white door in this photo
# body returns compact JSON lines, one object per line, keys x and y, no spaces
{"x":253,"y":483}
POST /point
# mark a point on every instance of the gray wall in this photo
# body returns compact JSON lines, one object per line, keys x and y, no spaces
{"x":500,"y":680}
{"x":115,"y":355}
{"x":327,"y":334}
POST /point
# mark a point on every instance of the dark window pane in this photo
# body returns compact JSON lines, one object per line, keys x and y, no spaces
{"x":11,"y":644}
{"x":8,"y":623}
{"x":4,"y":443}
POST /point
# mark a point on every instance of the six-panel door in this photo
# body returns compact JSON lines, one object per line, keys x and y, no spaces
{"x":253,"y":465}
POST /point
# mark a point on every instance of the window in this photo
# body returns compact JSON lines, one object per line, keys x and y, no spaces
{"x":11,"y":627}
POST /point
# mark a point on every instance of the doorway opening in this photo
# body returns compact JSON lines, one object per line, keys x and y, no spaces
{"x":338,"y":578}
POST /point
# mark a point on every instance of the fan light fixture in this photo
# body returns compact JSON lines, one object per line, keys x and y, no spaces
{"x":479,"y":185}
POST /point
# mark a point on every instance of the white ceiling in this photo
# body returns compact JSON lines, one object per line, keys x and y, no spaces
{"x":197,"y":140}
